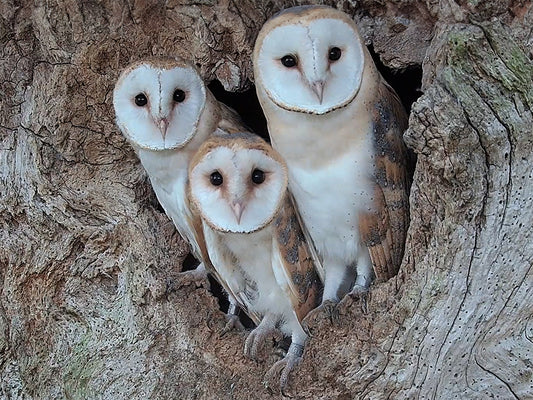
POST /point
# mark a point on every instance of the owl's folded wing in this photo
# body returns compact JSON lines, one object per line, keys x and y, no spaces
{"x":293,"y":263}
{"x":384,"y":229}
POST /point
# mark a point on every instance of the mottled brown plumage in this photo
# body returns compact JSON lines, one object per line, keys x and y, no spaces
{"x":304,"y":286}
{"x":384,"y":229}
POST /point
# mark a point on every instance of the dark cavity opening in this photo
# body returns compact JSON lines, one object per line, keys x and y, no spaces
{"x":246,"y":104}
{"x":406,"y":82}
{"x":223,"y":303}
{"x":189,"y":263}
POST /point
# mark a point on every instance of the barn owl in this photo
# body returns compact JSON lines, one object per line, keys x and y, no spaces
{"x":165,"y":111}
{"x":238,"y":184}
{"x":339,"y":126}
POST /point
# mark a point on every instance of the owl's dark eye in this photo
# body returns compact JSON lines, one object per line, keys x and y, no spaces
{"x":258,"y":176}
{"x":289,"y":61}
{"x":141,"y":100}
{"x":216,"y":179}
{"x":334,"y":54}
{"x":179,"y":95}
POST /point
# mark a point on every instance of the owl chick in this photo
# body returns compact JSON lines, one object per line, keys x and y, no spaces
{"x":165,"y":111}
{"x":339,"y":126}
{"x":239,"y":185}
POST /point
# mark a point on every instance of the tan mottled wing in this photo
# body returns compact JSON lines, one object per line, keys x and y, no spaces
{"x":292,"y":262}
{"x":196,"y":222}
{"x":384,"y":230}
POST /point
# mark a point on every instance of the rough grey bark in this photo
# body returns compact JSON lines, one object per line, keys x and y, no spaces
{"x":85,"y":255}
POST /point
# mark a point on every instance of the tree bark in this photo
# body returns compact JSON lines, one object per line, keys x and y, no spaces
{"x":86,"y":254}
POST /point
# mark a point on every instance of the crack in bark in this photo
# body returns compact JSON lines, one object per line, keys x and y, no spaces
{"x":240,"y":14}
{"x":496,"y":318}
{"x":7,"y":128}
{"x":496,"y":376}
{"x":491,"y":42}
{"x":526,"y":335}
{"x":487,"y":163}
{"x":470,"y":357}
{"x":509,"y":185}
{"x":460,"y":307}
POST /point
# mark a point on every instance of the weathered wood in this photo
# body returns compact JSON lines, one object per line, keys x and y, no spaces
{"x":85,"y":253}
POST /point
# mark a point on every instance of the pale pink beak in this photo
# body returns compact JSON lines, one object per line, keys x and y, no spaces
{"x":237,"y":208}
{"x":318,"y":89}
{"x":163,"y":125}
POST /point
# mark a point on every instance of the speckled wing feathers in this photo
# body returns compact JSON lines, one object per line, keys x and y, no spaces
{"x":384,"y":230}
{"x":294,"y":265}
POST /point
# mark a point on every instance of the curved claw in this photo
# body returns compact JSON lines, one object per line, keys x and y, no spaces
{"x":256,"y":339}
{"x":233,"y":323}
{"x":331,"y":310}
{"x":360,"y":293}
{"x":284,"y":367}
{"x":328,"y":308}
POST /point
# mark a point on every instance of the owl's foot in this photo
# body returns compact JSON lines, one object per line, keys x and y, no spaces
{"x":328,"y":309}
{"x":233,"y":321}
{"x":257,"y":337}
{"x":197,"y":276}
{"x":360,"y":293}
{"x":284,"y":367}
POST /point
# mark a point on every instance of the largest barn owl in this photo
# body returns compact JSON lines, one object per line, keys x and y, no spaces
{"x":239,"y":185}
{"x":339,"y":126}
{"x":165,"y":111}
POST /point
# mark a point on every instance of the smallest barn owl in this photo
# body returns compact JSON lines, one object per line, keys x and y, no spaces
{"x":238,"y":183}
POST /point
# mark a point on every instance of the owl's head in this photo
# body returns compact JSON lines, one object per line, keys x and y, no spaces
{"x":237,"y":182}
{"x":309,"y":59}
{"x":158,"y":103}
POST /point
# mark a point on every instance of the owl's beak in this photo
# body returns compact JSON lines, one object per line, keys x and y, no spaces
{"x":163,"y":125}
{"x":318,"y":89}
{"x":237,"y":208}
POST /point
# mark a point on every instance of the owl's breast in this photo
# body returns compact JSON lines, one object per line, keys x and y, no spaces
{"x":330,"y":200}
{"x":168,"y":174}
{"x":253,"y":253}
{"x":312,"y":141}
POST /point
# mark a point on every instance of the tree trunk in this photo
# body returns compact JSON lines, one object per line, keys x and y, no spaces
{"x":86,"y":253}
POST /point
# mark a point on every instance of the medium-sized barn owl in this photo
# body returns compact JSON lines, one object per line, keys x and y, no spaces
{"x":165,"y":111}
{"x":339,"y":126}
{"x":238,"y":184}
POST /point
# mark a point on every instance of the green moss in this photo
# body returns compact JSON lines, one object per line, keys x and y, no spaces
{"x":458,"y":42}
{"x":82,"y":366}
{"x":517,"y":74}
{"x":488,"y":50}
